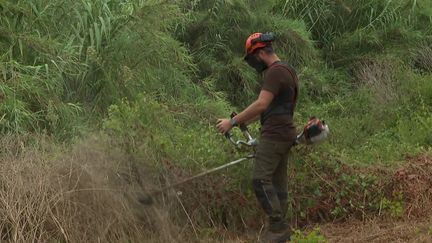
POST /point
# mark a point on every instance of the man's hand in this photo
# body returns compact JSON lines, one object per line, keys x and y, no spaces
{"x":253,"y":111}
{"x":224,"y":125}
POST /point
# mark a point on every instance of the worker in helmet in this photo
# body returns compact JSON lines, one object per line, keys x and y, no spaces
{"x":275,"y":107}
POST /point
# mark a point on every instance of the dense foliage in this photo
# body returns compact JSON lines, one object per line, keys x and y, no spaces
{"x":155,"y":75}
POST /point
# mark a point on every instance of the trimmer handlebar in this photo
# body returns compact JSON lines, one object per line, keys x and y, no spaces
{"x":250,"y":141}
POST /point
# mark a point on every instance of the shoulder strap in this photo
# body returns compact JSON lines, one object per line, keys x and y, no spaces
{"x":293,"y":74}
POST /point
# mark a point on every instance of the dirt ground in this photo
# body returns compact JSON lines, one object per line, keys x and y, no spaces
{"x":370,"y":231}
{"x":379,"y":231}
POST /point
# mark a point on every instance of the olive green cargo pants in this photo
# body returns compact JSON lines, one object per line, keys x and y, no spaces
{"x":270,"y":180}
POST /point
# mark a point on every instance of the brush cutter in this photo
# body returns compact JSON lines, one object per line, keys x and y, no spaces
{"x":314,"y":132}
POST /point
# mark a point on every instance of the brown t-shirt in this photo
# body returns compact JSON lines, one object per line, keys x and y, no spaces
{"x":281,"y":82}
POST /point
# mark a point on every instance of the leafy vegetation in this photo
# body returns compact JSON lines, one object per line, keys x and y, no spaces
{"x":313,"y":236}
{"x":153,"y":76}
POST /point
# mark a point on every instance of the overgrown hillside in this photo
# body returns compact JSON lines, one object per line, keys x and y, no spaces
{"x":103,"y":100}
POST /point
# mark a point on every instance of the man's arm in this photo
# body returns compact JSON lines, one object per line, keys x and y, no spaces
{"x":253,"y":120}
{"x":252,"y":111}
{"x":256,"y":108}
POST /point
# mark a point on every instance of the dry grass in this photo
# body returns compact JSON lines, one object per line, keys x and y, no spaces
{"x":85,"y":195}
{"x":88,"y":194}
{"x":378,"y":230}
{"x":413,"y":182}
{"x":210,"y":206}
{"x":423,"y":59}
{"x":380,"y":77}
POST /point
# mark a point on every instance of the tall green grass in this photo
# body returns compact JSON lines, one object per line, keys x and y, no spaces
{"x":155,"y":75}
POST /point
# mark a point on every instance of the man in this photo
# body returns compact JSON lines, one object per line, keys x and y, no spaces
{"x":275,"y":107}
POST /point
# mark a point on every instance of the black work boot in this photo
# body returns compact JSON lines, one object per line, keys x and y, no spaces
{"x":278,"y":231}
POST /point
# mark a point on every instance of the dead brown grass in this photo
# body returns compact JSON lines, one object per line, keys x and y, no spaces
{"x":209,"y":205}
{"x":86,"y":194}
{"x":423,"y":59}
{"x":378,"y":230}
{"x":413,"y":182}
{"x":380,"y":77}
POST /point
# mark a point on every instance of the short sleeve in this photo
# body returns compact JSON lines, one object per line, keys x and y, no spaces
{"x":273,"y":80}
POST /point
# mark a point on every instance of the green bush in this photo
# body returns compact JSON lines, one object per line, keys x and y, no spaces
{"x":313,"y":236}
{"x":176,"y":135}
{"x":155,"y":76}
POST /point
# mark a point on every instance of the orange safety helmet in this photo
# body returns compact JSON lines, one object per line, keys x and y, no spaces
{"x":258,"y":40}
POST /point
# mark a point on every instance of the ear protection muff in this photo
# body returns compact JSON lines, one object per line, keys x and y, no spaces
{"x":266,"y":37}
